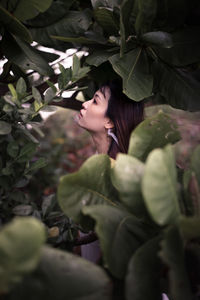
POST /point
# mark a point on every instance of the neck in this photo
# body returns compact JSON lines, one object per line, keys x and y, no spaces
{"x":102,"y":142}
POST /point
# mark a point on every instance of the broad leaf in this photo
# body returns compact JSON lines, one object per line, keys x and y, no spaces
{"x":154,"y":132}
{"x":90,"y":185}
{"x":25,"y":56}
{"x":133,"y":67}
{"x":14,"y":26}
{"x":186,"y":47}
{"x":143,"y":276}
{"x":25,"y":10}
{"x":172,"y":254}
{"x":147,"y":10}
{"x":71,"y":24}
{"x":119,"y":233}
{"x":21,"y":86}
{"x":126,"y":177}
{"x":158,"y":38}
{"x":105,"y":18}
{"x":180,"y":89}
{"x":61,"y":275}
{"x":20,"y":246}
{"x":98,"y":57}
{"x":159,"y":186}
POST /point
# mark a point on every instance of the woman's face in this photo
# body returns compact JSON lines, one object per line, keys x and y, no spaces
{"x":92,"y":115}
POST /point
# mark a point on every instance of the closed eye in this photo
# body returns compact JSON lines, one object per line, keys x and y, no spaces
{"x":94,"y":101}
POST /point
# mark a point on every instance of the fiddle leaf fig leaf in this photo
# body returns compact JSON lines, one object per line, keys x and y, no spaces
{"x":159,"y":186}
{"x":134,"y":69}
{"x":154,"y":132}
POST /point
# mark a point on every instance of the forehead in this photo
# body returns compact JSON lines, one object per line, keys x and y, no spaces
{"x":103,"y":93}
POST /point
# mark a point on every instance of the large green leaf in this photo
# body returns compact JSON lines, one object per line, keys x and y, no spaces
{"x":126,"y":177}
{"x":24,"y":10}
{"x":186,"y":47}
{"x":158,"y":38}
{"x":133,"y":67}
{"x":105,"y":18}
{"x":180,"y":89}
{"x":125,"y":28}
{"x":172,"y":254}
{"x":159,"y":186}
{"x":20,"y":247}
{"x":71,"y":24}
{"x":25,"y":56}
{"x":98,"y":57}
{"x":90,"y":185}
{"x":119,"y":233}
{"x":147,"y":10}
{"x":154,"y":132}
{"x":143,"y":276}
{"x":61,"y":275}
{"x":14,"y":26}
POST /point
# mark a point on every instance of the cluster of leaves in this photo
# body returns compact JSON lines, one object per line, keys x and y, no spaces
{"x":144,"y":210}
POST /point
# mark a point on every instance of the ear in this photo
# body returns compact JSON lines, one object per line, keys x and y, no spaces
{"x":109,"y":124}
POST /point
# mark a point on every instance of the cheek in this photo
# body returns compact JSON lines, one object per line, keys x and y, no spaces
{"x":93,"y":119}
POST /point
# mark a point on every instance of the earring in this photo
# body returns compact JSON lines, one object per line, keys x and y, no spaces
{"x":110,"y":133}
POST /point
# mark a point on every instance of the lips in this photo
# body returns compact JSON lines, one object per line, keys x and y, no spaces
{"x":81,"y":114}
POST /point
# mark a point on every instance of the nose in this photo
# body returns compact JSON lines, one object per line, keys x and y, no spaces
{"x":85,"y":104}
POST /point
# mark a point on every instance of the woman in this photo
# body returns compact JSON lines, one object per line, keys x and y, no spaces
{"x":110,"y":117}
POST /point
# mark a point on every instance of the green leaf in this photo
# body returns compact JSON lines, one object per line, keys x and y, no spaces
{"x":158,"y":38}
{"x":172,"y":254}
{"x":20,"y":246}
{"x":179,"y":88}
{"x":186,"y":47}
{"x":117,"y":230}
{"x":126,"y":177}
{"x":5,"y":128}
{"x":68,"y":23}
{"x":147,"y":10}
{"x":49,"y":95}
{"x":125,"y":28}
{"x":40,"y":163}
{"x":105,"y":3}
{"x":26,"y":152}
{"x":159,"y":186}
{"x":105,"y":18}
{"x":13,"y":92}
{"x":90,"y":185}
{"x":133,"y":67}
{"x":51,"y":85}
{"x":154,"y":132}
{"x":13,"y":149}
{"x":98,"y":57}
{"x":143,"y":276}
{"x":62,"y":275}
{"x":64,"y":77}
{"x":25,"y":56}
{"x":77,"y":71}
{"x":190,"y":227}
{"x":14,"y":26}
{"x":21,"y":86}
{"x":36,"y":94}
{"x":25,"y":10}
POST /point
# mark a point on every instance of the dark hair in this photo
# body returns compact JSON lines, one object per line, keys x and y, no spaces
{"x":125,"y":113}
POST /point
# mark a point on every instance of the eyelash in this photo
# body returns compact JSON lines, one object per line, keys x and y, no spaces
{"x":94,"y":101}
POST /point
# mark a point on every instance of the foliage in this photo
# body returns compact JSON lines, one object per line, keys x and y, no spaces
{"x":146,"y":220}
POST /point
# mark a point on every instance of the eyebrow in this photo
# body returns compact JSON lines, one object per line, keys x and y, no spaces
{"x":97,"y":95}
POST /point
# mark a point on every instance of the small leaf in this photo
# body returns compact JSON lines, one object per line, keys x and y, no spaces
{"x":21,"y":86}
{"x":36,"y":95}
{"x":5,"y":128}
{"x":13,"y":149}
{"x":40,"y":163}
{"x":22,"y":210}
